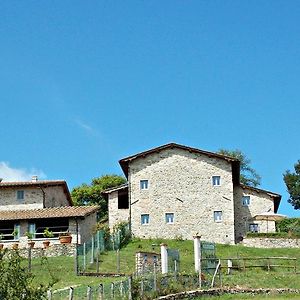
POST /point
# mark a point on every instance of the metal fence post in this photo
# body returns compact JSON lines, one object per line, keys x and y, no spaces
{"x":89,"y":293}
{"x":49,"y":295}
{"x":154,"y":278}
{"x":129,"y":288}
{"x":101,"y":292}
{"x":84,"y":256}
{"x":118,"y":261}
{"x":112,"y":290}
{"x":92,"y":250}
{"x":71,"y":293}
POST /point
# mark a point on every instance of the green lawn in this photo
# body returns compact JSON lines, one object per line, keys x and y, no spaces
{"x":257,"y":297}
{"x":63,"y":267}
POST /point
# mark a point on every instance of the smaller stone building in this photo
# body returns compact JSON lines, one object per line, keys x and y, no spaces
{"x":28,"y":208}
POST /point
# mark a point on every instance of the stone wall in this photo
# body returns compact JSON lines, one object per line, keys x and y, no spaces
{"x":116,"y":215}
{"x":259,"y":202}
{"x":145,"y":261}
{"x":55,"y":196}
{"x":180,"y":182}
{"x":262,"y":242}
{"x":51,"y":251}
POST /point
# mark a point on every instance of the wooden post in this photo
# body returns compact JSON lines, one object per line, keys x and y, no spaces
{"x":97,"y":263}
{"x":229,"y":266}
{"x":71,"y":293}
{"x":89,"y":293}
{"x":29,"y":259}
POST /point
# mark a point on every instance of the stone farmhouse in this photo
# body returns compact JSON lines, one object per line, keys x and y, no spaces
{"x":175,"y":191}
{"x":33,"y":206}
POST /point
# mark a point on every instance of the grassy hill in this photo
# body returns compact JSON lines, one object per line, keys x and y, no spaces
{"x":63,"y":267}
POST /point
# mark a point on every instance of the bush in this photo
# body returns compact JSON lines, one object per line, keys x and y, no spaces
{"x":16,"y":282}
{"x":290,"y":225}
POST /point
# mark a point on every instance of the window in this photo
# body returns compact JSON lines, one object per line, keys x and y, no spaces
{"x":246,"y":200}
{"x":123,"y":201}
{"x":217,"y":216}
{"x":144,"y":184}
{"x":169,"y":218}
{"x":216,"y":180}
{"x":253,"y":228}
{"x":145,"y":219}
{"x":20,"y":195}
{"x":31,"y":229}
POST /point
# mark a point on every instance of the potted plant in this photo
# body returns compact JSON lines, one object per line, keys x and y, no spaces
{"x":65,"y":237}
{"x":15,"y":234}
{"x":47,"y":234}
{"x":30,"y":236}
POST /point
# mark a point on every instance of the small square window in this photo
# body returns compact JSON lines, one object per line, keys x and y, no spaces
{"x":216,"y":180}
{"x":145,"y":219}
{"x":20,"y":195}
{"x":253,"y":228}
{"x":246,"y":200}
{"x":218,"y":216}
{"x":144,"y":184}
{"x":169,"y":218}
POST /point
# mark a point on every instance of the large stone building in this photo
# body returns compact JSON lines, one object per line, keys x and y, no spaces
{"x":178,"y":191}
{"x":28,"y":208}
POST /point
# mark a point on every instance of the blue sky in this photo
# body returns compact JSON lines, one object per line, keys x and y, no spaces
{"x":86,"y":83}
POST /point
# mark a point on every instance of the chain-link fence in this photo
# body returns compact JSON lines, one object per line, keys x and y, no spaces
{"x":89,"y":255}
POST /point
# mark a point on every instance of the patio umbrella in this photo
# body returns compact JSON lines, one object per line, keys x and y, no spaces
{"x":268,"y":216}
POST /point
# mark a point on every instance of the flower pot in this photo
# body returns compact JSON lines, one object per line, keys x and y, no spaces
{"x":1,"y":246}
{"x":31,"y":244}
{"x":65,"y":239}
{"x":15,"y":246}
{"x":46,"y":244}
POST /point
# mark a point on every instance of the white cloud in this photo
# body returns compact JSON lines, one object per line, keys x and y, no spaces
{"x":7,"y":173}
{"x":84,"y":126}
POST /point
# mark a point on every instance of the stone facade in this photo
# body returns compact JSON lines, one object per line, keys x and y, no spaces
{"x":116,"y":215}
{"x":259,"y":202}
{"x":33,"y":198}
{"x":172,"y":193}
{"x":180,"y":182}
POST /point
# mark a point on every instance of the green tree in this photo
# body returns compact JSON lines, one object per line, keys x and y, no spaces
{"x":248,"y":175}
{"x":16,"y":282}
{"x":87,"y":194}
{"x":292,"y":182}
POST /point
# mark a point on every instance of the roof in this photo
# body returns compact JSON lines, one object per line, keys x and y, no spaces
{"x":235,"y":162}
{"x":45,"y":213}
{"x":276,"y":197}
{"x":38,"y":184}
{"x":116,"y":188}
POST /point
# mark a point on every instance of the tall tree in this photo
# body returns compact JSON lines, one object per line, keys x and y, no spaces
{"x":292,"y":182}
{"x":248,"y":175}
{"x":87,"y":194}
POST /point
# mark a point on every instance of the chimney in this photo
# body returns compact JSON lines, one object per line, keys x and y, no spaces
{"x":34,"y":178}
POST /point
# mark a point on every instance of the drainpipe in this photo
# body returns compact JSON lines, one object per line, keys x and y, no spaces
{"x":44,"y":196}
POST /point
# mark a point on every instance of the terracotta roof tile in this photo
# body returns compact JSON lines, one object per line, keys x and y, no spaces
{"x":44,"y":213}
